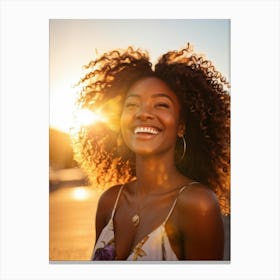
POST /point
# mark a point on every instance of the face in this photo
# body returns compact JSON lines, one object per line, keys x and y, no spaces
{"x":150,"y":120}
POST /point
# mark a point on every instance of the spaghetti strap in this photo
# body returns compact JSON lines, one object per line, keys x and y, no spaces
{"x":116,"y":202}
{"x":175,"y":201}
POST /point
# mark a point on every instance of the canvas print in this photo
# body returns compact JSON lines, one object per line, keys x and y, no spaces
{"x":139,"y":140}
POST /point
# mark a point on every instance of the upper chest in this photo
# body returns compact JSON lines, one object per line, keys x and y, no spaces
{"x":152,"y":217}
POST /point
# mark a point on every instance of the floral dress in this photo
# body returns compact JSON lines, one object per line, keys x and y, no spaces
{"x":153,"y":247}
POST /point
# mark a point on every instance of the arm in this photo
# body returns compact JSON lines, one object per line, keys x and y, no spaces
{"x":104,"y":209}
{"x":101,"y":216}
{"x":201,"y":225}
{"x":104,"y":212}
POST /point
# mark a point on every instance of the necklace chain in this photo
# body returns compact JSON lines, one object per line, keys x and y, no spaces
{"x":136,"y":217}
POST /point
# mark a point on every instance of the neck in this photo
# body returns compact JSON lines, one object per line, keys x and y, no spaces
{"x":156,"y":174}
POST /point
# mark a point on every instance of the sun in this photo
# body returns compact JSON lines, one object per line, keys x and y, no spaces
{"x":85,"y":117}
{"x":64,"y":113}
{"x":67,"y":117}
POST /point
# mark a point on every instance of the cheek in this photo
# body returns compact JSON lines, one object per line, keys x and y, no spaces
{"x":125,"y":121}
{"x":171,"y":121}
{"x":125,"y":132}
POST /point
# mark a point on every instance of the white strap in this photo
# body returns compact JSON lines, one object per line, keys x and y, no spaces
{"x":116,"y":202}
{"x":174,"y":203}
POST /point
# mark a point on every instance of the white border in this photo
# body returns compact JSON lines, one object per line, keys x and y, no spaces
{"x":255,"y":138}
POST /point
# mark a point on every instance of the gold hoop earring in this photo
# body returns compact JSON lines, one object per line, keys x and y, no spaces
{"x":184,"y":147}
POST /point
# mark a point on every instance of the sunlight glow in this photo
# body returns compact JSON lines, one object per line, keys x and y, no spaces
{"x":80,"y":193}
{"x":87,"y":117}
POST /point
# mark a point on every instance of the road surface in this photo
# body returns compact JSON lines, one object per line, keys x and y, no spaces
{"x":71,"y":223}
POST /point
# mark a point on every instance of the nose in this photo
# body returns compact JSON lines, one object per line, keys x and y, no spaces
{"x":144,"y":112}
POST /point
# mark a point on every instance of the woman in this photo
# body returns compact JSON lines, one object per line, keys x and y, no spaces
{"x":163,"y":143}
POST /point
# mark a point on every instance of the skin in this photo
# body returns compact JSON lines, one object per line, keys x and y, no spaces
{"x":195,"y":228}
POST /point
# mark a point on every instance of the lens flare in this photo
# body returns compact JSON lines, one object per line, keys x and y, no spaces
{"x":86,"y":117}
{"x":80,"y":193}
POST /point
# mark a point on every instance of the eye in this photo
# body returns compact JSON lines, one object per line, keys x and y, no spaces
{"x":163,"y":105}
{"x":130,"y":105}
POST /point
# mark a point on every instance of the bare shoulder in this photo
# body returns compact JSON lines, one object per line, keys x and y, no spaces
{"x":200,"y":223}
{"x":107,"y":200}
{"x":197,"y":199}
{"x":105,"y":207}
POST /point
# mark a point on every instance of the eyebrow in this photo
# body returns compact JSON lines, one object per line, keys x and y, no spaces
{"x":153,"y":96}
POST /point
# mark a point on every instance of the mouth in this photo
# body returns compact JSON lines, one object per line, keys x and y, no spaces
{"x":146,"y":130}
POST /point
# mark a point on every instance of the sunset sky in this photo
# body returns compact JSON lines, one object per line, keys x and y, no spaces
{"x":73,"y":43}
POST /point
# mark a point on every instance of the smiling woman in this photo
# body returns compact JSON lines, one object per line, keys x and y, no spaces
{"x":151,"y":112}
{"x":161,"y":150}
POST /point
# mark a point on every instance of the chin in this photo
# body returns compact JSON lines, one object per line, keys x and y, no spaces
{"x":144,"y":152}
{"x":147,"y":152}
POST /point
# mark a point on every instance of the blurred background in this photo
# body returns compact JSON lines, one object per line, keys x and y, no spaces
{"x":72,"y":44}
{"x":72,"y":203}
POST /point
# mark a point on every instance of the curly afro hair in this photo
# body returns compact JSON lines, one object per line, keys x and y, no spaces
{"x":205,"y":109}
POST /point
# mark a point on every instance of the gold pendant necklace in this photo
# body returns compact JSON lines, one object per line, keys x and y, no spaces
{"x":135,"y":220}
{"x":136,"y":217}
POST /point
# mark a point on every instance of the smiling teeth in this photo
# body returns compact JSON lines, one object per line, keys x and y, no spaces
{"x":150,"y":130}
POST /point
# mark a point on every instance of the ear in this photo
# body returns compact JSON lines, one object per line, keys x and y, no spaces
{"x":181,"y":129}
